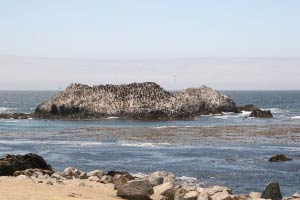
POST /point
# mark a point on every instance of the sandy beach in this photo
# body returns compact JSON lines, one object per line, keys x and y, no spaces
{"x":21,"y":188}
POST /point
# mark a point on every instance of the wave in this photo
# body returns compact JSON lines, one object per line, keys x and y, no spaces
{"x":112,"y":117}
{"x":295,"y":117}
{"x":188,"y":180}
{"x":245,"y":113}
{"x":277,"y":110}
{"x":6,"y":109}
{"x":160,"y":127}
{"x":146,"y":144}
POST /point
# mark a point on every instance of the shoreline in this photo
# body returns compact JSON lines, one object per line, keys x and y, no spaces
{"x":37,"y":184}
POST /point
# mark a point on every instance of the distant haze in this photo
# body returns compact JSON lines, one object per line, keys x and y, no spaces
{"x":233,"y":44}
{"x":220,"y":73}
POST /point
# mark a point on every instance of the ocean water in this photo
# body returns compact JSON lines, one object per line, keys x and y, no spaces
{"x":243,"y":167}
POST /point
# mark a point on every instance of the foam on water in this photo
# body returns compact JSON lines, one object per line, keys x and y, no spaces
{"x":161,"y":127}
{"x":245,"y":113}
{"x":112,"y":117}
{"x":295,"y":117}
{"x":144,"y":144}
{"x":6,"y":109}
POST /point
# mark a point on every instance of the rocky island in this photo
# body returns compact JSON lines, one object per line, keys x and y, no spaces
{"x":134,"y":101}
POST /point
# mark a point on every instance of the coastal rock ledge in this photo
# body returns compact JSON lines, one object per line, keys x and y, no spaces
{"x":136,"y":101}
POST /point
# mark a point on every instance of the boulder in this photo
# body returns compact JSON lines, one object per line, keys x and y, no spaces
{"x":98,"y":173}
{"x":166,"y":190}
{"x":261,"y":114}
{"x":191,"y":195}
{"x":94,"y":178}
{"x":204,"y":196}
{"x":135,"y":190}
{"x":255,"y":195}
{"x":83,"y":175}
{"x":12,"y":163}
{"x":114,"y":173}
{"x":179,"y":194}
{"x":71,"y":172}
{"x":160,"y":177}
{"x":106,"y":179}
{"x":272,"y":191}
{"x":224,"y":195}
{"x":216,"y":189}
{"x":57,"y":176}
{"x":296,"y":195}
{"x":33,"y":172}
{"x":279,"y":158}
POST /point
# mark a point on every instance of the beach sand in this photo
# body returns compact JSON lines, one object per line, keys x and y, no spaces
{"x":12,"y":188}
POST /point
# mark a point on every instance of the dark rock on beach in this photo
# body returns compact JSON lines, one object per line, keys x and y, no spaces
{"x":261,"y":114}
{"x":280,"y":158}
{"x":137,"y":101}
{"x":12,"y":163}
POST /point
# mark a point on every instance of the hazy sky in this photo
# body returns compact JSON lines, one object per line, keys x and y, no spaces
{"x":241,"y":44}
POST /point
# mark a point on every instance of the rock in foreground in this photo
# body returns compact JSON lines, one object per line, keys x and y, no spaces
{"x":137,"y":100}
{"x":12,"y":163}
{"x":136,"y":190}
{"x":272,"y":191}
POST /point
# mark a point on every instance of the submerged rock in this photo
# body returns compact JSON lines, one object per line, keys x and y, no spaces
{"x":12,"y":163}
{"x":261,"y":114}
{"x":272,"y":191}
{"x":280,"y":158}
{"x":136,"y":100}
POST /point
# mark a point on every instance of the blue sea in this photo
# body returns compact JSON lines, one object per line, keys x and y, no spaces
{"x":243,"y":167}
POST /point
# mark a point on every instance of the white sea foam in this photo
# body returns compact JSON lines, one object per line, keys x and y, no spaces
{"x":112,"y":117}
{"x":91,"y":143}
{"x":228,"y":113}
{"x":160,"y":127}
{"x":295,"y":117}
{"x":245,"y":113}
{"x":275,"y":110}
{"x":222,"y":117}
{"x":188,"y":180}
{"x":139,"y":175}
{"x":146,"y":144}
{"x":6,"y":109}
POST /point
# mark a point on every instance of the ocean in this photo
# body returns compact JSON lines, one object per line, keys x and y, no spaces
{"x":89,"y":145}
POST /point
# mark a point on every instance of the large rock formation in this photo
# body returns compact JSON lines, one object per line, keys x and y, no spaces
{"x":136,"y":100}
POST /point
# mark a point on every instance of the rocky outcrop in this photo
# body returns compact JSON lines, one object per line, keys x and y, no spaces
{"x":279,"y":158}
{"x":136,"y":100}
{"x":12,"y":163}
{"x":16,"y":116}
